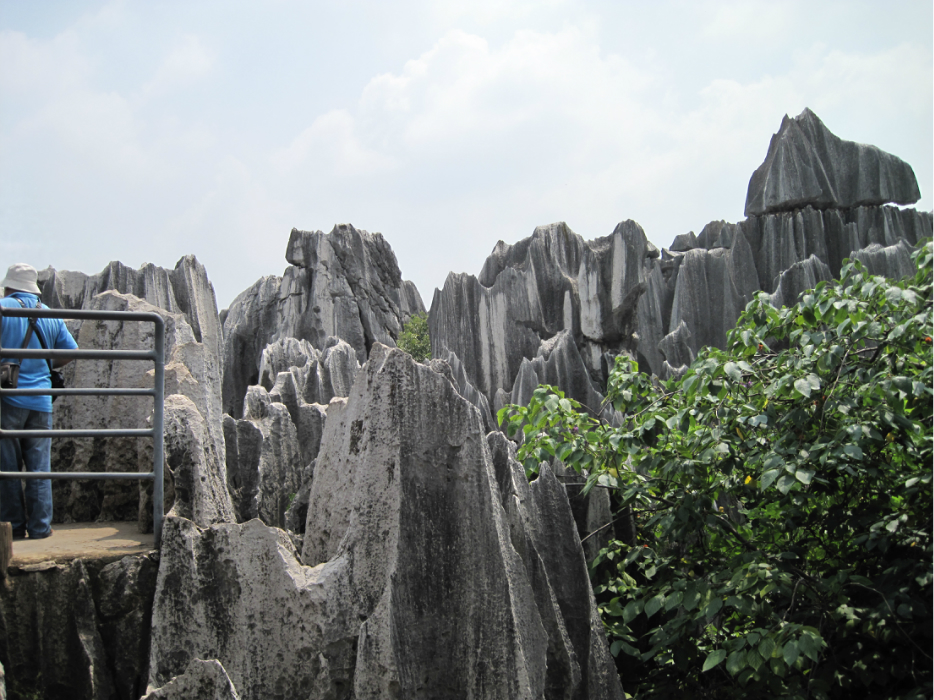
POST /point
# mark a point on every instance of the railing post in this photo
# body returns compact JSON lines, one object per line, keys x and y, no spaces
{"x":158,"y":434}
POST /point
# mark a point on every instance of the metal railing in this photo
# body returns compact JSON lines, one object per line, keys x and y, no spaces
{"x":156,"y":355}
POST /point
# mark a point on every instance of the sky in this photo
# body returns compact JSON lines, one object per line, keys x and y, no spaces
{"x":142,"y":131}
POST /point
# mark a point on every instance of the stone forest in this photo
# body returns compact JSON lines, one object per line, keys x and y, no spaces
{"x":343,"y":521}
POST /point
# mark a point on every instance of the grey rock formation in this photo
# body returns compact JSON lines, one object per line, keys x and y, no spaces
{"x":600,"y":291}
{"x":345,"y":284}
{"x":54,"y":622}
{"x":558,"y":363}
{"x":264,"y":459}
{"x":713,"y":287}
{"x":542,"y":530}
{"x":684,"y":242}
{"x":185,"y":290}
{"x":124,"y":592}
{"x":778,"y":241}
{"x":78,"y":630}
{"x":308,"y":418}
{"x":808,"y":165}
{"x":616,"y":295}
{"x":459,"y":377}
{"x":893,"y":261}
{"x":414,"y":580}
{"x":191,"y":372}
{"x":678,"y":349}
{"x":202,"y":680}
{"x":197,"y":478}
{"x":302,"y":379}
{"x":799,"y":278}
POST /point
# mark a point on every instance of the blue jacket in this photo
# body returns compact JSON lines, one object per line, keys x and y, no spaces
{"x":33,"y":373}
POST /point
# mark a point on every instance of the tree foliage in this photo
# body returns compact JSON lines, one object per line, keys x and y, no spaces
{"x":414,"y":338}
{"x":775,"y":502}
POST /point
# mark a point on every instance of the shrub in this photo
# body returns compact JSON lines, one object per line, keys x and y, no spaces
{"x":775,"y":501}
{"x":414,"y":338}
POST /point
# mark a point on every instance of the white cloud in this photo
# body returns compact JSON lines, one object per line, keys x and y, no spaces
{"x":330,"y":146}
{"x":501,"y":121}
{"x":747,"y":19}
{"x":32,"y":67}
{"x":187,"y":63}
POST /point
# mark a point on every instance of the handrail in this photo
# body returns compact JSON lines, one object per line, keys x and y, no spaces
{"x":156,"y":355}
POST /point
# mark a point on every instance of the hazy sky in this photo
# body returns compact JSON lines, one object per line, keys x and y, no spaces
{"x":143,"y":131}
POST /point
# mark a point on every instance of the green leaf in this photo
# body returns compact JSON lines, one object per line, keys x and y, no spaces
{"x":853,"y":451}
{"x":808,"y":646}
{"x":804,"y":476}
{"x":785,"y":483}
{"x":736,"y":662}
{"x":674,"y":600}
{"x":791,"y":652}
{"x":732,"y":371}
{"x":803,"y":387}
{"x":713,"y":607}
{"x":768,"y":478}
{"x":691,"y":598}
{"x":766,"y":647}
{"x":654,"y":604}
{"x":713,"y":660}
{"x":631,"y":611}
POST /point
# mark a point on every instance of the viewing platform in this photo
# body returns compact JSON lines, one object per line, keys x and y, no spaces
{"x":110,"y":541}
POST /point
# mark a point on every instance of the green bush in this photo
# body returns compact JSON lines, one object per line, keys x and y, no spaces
{"x":414,"y":338}
{"x":774,"y":503}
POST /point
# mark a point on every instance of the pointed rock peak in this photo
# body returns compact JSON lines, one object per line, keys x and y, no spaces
{"x":808,"y":165}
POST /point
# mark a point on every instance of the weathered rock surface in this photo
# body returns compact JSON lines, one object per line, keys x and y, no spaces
{"x":808,"y":165}
{"x":713,"y":287}
{"x":191,"y":372}
{"x":891,"y":261}
{"x":459,"y":377}
{"x":617,"y":295}
{"x":202,"y":680}
{"x":414,"y":580}
{"x":797,"y":279}
{"x":264,"y":458}
{"x":543,"y":532}
{"x":599,"y":291}
{"x":345,"y":284}
{"x":185,"y":290}
{"x":78,"y":630}
{"x":198,"y":482}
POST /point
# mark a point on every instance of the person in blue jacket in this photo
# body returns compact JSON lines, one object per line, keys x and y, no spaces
{"x":20,"y":288}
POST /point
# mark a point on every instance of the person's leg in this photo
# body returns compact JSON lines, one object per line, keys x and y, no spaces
{"x":37,"y":456}
{"x":11,"y":491}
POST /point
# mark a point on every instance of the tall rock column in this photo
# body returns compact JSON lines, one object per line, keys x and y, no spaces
{"x":345,"y":284}
{"x":410,"y":582}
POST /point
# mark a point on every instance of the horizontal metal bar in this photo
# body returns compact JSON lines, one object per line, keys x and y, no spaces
{"x":38,"y":353}
{"x":95,"y":476}
{"x":117,"y":432}
{"x":87,"y":391}
{"x":85,"y":314}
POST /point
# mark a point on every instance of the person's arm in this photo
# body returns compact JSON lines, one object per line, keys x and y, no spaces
{"x":64,"y":341}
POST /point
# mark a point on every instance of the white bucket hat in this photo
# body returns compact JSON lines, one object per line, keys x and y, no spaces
{"x":22,"y":278}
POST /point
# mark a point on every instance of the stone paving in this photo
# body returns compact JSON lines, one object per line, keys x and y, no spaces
{"x":83,"y":540}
